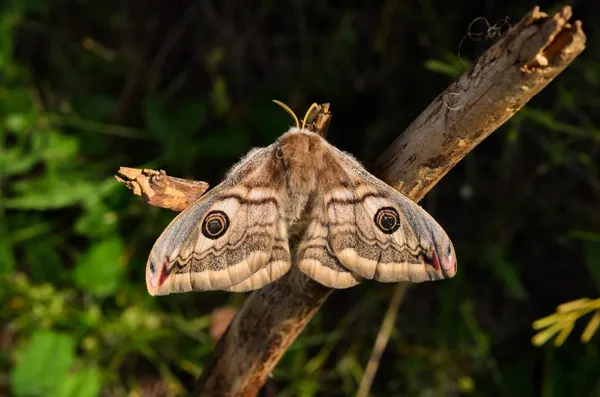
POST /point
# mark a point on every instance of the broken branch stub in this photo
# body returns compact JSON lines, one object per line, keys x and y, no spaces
{"x":161,"y":190}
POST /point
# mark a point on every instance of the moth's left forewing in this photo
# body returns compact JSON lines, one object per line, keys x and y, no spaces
{"x":379,"y":233}
{"x":243,"y":213}
{"x":177,"y":240}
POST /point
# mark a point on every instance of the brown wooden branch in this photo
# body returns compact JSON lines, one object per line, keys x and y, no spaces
{"x":499,"y":83}
{"x":502,"y":80}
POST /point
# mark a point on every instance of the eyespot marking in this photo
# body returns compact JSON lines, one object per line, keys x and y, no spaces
{"x":215,"y":224}
{"x":152,"y":267}
{"x":387,"y":220}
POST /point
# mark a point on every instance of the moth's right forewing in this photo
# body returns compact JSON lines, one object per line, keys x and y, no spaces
{"x":377,"y":232}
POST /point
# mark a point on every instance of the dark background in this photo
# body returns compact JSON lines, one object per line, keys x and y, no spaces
{"x":88,"y":86}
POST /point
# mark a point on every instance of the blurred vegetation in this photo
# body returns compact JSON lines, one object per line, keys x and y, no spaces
{"x":86,"y":87}
{"x":563,"y":321}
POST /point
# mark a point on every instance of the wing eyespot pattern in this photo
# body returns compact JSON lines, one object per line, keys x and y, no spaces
{"x":215,"y":224}
{"x":448,"y":249}
{"x":152,"y":266}
{"x":387,"y":220}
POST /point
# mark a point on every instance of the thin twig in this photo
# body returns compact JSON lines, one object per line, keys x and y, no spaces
{"x":161,"y":190}
{"x":383,"y":337}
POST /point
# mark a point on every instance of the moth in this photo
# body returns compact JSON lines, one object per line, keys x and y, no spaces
{"x":298,"y":202}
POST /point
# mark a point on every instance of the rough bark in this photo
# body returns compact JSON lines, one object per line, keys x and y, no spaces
{"x":499,"y":83}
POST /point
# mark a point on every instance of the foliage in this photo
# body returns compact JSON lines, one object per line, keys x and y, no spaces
{"x":563,"y":321}
{"x":86,"y":87}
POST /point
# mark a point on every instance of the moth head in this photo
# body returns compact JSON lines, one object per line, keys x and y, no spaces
{"x":310,"y":110}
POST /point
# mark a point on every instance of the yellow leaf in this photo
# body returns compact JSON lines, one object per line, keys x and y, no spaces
{"x":562,"y":336}
{"x":547,"y":321}
{"x":543,"y":336}
{"x":591,"y":328}
{"x":573,"y":305}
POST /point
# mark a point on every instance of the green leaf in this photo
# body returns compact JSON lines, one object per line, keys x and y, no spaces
{"x":7,"y":258}
{"x":99,"y":270}
{"x":27,"y":226}
{"x":19,"y":122}
{"x":57,"y":148}
{"x":84,"y":383}
{"x":44,"y":262}
{"x":16,"y":161}
{"x":585,"y":235}
{"x":18,"y":100}
{"x":452,"y":66}
{"x":36,"y":144}
{"x":50,"y":192}
{"x":42,"y":364}
{"x":97,"y":221}
{"x":441,"y":67}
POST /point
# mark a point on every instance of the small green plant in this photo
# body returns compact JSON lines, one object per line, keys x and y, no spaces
{"x":562,"y":322}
